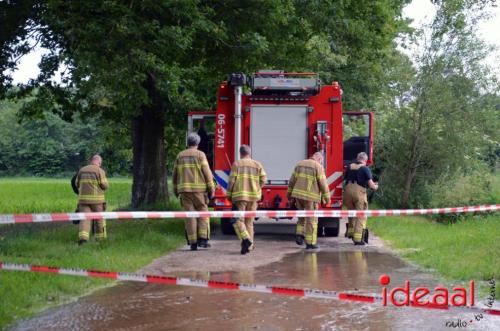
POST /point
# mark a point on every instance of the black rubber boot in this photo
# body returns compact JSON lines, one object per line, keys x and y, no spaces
{"x":81,"y":242}
{"x":203,"y":243}
{"x":299,"y":239}
{"x":365,"y":235}
{"x":312,"y":246}
{"x":194,"y":247}
{"x":359,"y":243}
{"x":245,"y":245}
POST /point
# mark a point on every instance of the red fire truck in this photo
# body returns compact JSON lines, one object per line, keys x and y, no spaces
{"x":284,"y":118}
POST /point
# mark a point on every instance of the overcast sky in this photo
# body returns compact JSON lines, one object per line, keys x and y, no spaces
{"x":421,"y":11}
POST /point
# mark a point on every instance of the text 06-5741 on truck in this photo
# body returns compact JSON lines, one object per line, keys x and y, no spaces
{"x":284,"y":117}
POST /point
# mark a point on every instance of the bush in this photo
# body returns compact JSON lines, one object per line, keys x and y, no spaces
{"x":462,"y":190}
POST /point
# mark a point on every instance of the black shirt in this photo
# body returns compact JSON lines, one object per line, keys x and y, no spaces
{"x":360,"y":176}
{"x":364,"y":175}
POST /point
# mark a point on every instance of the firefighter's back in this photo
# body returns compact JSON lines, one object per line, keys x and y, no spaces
{"x":92,"y":183}
{"x":249,"y":177}
{"x":189,"y":166}
{"x":305,"y":185}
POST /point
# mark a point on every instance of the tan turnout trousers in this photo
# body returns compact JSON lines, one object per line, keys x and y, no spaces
{"x":85,"y":225}
{"x":307,"y":226}
{"x":196,"y":228}
{"x":244,"y":226}
{"x":348,"y":202}
{"x":356,"y":199}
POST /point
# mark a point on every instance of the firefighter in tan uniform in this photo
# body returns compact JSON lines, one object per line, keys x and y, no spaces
{"x":91,"y":182}
{"x":194,"y":185}
{"x":244,"y":190}
{"x":307,"y":188}
{"x":359,"y":179}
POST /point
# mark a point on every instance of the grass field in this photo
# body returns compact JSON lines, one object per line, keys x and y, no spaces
{"x":467,"y":249}
{"x":130,"y":245}
{"x":462,"y":251}
{"x":38,"y":195}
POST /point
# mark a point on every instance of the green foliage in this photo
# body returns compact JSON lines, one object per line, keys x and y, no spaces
{"x":355,"y":126}
{"x":446,"y":121}
{"x":49,"y":146}
{"x":130,"y":245}
{"x":462,"y":190}
{"x":353,"y":42}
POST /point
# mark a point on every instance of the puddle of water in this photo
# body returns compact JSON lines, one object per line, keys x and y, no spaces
{"x":133,"y":306}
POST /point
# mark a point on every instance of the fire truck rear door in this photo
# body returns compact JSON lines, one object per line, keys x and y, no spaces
{"x":203,"y":123}
{"x":358,"y":135}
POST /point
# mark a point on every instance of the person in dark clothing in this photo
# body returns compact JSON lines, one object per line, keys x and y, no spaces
{"x":358,"y":179}
{"x":204,"y":139}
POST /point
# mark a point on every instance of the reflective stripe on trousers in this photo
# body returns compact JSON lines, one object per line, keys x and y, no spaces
{"x":355,"y":198}
{"x":196,"y":228}
{"x":244,"y":226}
{"x":84,"y":226}
{"x":307,"y":226}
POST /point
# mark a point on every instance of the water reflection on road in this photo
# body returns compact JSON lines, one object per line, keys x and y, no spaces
{"x":133,"y":306}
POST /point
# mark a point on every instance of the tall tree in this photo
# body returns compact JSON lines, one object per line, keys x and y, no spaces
{"x":145,"y":62}
{"x":442,"y":122}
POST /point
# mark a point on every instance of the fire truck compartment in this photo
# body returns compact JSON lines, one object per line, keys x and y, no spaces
{"x":278,"y":137}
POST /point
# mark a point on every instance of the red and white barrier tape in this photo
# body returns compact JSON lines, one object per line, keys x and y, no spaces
{"x":297,"y":292}
{"x":64,"y":217}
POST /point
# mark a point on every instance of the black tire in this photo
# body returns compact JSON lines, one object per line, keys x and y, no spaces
{"x":226,"y":226}
{"x":330,"y":226}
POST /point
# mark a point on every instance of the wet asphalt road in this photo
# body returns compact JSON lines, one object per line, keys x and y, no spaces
{"x":277,"y":260}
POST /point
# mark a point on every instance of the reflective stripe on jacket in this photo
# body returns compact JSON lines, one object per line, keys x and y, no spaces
{"x":91,"y":182}
{"x":308,"y":182}
{"x":192,"y":172}
{"x":246,"y":180}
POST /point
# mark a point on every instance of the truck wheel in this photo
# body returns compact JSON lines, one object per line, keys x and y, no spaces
{"x":330,"y":226}
{"x":226,"y":226}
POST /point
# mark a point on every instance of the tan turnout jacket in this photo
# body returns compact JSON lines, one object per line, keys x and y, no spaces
{"x":192,"y":173}
{"x":308,"y":182}
{"x":246,"y":180}
{"x":91,"y":182}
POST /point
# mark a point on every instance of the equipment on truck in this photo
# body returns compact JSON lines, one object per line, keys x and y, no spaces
{"x":284,"y":117}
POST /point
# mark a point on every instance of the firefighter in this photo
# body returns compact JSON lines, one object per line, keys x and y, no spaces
{"x":359,"y":178}
{"x":307,"y":188}
{"x":194,"y":185}
{"x":350,"y":190}
{"x":244,"y":190}
{"x":91,"y":182}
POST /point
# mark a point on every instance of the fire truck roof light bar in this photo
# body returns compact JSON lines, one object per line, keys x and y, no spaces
{"x":271,"y":73}
{"x":277,"y":99}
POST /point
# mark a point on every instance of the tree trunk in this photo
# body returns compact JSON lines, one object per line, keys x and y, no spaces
{"x":413,"y":160}
{"x":149,"y":164}
{"x":405,"y":200}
